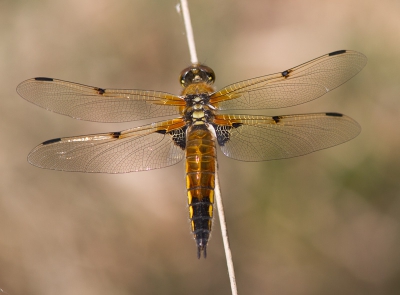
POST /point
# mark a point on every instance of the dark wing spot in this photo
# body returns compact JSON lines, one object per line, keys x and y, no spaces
{"x":43,"y":79}
{"x":179,"y":137}
{"x":223,"y":132}
{"x":276,"y":119}
{"x":334,"y":114}
{"x":115,"y":134}
{"x":51,"y":141}
{"x":285,"y":74}
{"x":161,"y":131}
{"x":337,"y":52}
{"x":100,"y":90}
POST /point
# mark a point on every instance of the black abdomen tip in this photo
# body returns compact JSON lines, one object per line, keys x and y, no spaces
{"x":201,"y":249}
{"x":202,"y":246}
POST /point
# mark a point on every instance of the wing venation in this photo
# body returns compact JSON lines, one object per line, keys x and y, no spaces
{"x":97,"y":104}
{"x":261,"y":138}
{"x":137,"y":149}
{"x":294,"y":86}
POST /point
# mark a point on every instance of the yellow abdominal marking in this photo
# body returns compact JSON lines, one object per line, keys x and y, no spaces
{"x":190,"y":212}
{"x":192,"y":225}
{"x":210,"y":210}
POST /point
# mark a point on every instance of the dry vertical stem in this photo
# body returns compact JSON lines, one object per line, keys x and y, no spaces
{"x":221,"y":214}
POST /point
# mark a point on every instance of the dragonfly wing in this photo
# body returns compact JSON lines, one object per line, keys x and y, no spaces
{"x":97,"y":104}
{"x":260,"y":138}
{"x":143,"y":148}
{"x":293,"y":86}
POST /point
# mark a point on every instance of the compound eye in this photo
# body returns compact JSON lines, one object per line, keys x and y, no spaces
{"x":208,"y":74}
{"x":196,"y":74}
{"x":186,"y":77}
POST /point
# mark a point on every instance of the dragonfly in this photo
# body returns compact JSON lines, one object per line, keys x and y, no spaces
{"x":199,"y":125}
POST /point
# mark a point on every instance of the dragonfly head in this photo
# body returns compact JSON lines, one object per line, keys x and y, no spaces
{"x":197,"y":74}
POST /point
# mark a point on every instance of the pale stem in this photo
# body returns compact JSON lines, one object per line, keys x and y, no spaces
{"x":220,"y":207}
{"x":224,"y":231}
{"x":189,"y":32}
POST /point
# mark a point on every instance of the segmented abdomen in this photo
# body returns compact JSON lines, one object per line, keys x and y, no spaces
{"x":200,"y":182}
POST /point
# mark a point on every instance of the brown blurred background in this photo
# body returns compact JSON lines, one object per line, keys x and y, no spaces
{"x":326,"y":223}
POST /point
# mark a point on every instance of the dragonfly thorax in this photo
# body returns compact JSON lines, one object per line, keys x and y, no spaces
{"x":198,"y":109}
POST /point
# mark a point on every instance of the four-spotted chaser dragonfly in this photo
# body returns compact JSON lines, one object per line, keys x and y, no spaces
{"x":199,"y":125}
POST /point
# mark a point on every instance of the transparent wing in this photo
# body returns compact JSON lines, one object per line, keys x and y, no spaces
{"x":260,"y":138}
{"x":96,"y":104}
{"x":293,"y":86}
{"x":142,"y":148}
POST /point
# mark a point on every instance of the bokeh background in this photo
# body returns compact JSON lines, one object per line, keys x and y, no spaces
{"x":325,"y":223}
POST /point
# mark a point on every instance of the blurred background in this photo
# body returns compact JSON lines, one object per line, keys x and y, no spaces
{"x":325,"y":223}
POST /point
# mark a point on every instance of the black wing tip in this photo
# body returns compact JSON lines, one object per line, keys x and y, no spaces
{"x":50,"y":141}
{"x":44,"y":79}
{"x":334,"y":114}
{"x":337,"y":52}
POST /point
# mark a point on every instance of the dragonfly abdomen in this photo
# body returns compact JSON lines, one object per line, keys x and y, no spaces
{"x":200,"y":182}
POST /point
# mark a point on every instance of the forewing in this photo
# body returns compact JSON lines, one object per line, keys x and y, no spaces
{"x":293,"y":86}
{"x":260,"y":138}
{"x":97,"y":104}
{"x":142,"y":148}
